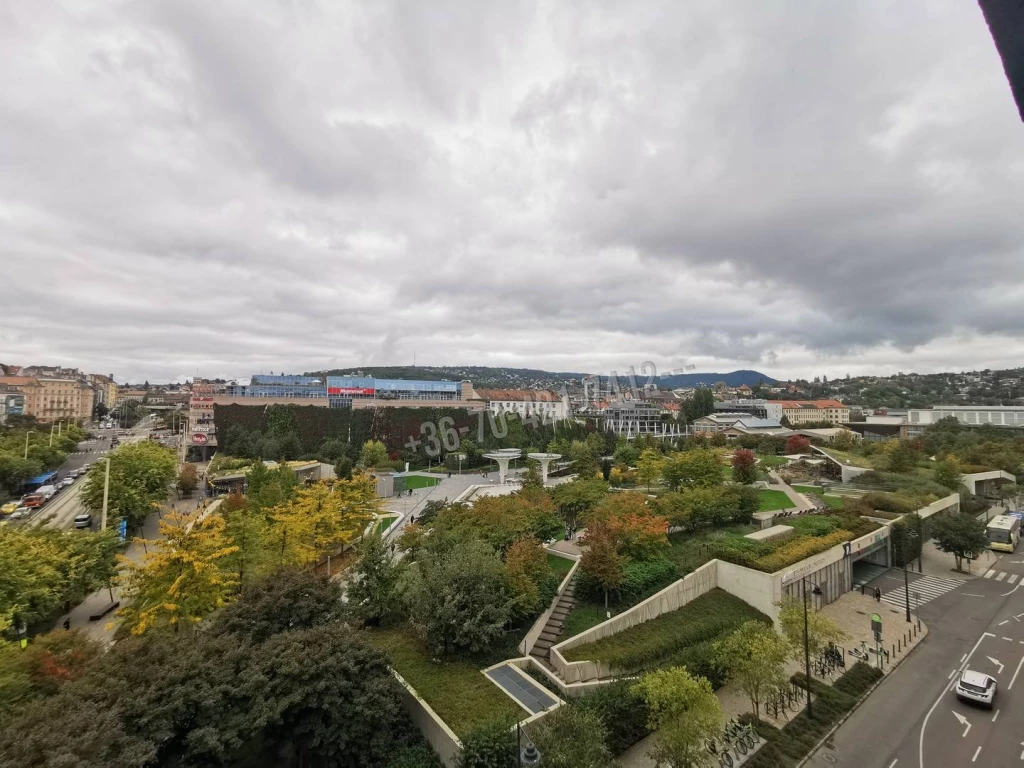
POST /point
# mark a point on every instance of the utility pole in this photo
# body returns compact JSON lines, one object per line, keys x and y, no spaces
{"x":26,"y":442}
{"x":807,"y":647}
{"x":106,"y":495}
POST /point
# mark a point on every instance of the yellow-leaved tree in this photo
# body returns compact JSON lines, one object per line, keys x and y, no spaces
{"x":323,"y":518}
{"x":182,"y":578}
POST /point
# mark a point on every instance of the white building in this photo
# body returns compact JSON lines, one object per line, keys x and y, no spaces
{"x":972,"y":415}
{"x":538,"y":403}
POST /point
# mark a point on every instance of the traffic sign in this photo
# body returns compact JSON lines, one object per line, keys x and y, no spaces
{"x":876,"y":626}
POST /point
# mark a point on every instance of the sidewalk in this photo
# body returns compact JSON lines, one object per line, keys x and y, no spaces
{"x":798,"y":499}
{"x":103,"y":630}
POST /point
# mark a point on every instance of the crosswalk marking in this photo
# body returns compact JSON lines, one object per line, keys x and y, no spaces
{"x":1013,"y":578}
{"x":928,"y":587}
{"x":989,"y":574}
{"x":1001,"y":575}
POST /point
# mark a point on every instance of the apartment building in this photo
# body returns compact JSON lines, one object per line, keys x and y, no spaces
{"x":543,"y":403}
{"x":105,"y":387}
{"x":810,"y":411}
{"x":53,"y":399}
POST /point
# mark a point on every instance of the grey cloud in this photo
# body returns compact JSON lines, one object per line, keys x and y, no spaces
{"x":219,"y":188}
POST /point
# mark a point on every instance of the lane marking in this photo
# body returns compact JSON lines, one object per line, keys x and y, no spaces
{"x":997,"y":662}
{"x":1013,"y":578}
{"x":996,"y":715}
{"x":894,"y":762}
{"x":976,"y":754}
{"x":963,"y":721}
{"x":1007,"y":638}
{"x":989,"y":573}
{"x":970,"y":594}
{"x":1001,"y":576}
{"x":963,"y":658}
{"x":1004,"y":622}
{"x":1017,"y":672}
{"x":951,"y":675}
{"x":1019,"y":584}
{"x":939,"y":698}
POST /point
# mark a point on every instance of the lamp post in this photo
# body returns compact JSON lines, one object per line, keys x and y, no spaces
{"x":807,"y":640}
{"x":26,"y":442}
{"x":106,"y":494}
{"x":528,"y":755}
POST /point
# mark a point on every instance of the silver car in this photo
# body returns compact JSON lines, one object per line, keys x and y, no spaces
{"x":977,"y":687}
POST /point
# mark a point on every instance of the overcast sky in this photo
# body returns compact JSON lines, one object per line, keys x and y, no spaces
{"x":221,"y":188}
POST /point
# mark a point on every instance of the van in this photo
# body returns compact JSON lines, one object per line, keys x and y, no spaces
{"x":33,"y":500}
{"x":46,"y":491}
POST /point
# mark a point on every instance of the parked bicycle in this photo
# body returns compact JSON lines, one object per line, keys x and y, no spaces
{"x":719,"y":750}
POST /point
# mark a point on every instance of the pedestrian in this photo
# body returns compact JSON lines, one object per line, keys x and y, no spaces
{"x":878,"y":594}
{"x":67,"y":623}
{"x":412,"y":518}
{"x":410,"y":491}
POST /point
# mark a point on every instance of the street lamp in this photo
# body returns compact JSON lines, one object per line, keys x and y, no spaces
{"x":26,"y":442}
{"x":807,"y":643}
{"x":528,"y":755}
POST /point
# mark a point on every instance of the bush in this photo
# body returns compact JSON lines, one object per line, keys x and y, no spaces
{"x":642,"y":578}
{"x":858,"y":679}
{"x":799,"y":549}
{"x":652,"y":643}
{"x":623,"y":712}
{"x":490,"y":746}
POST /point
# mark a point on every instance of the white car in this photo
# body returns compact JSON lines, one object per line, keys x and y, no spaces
{"x":977,"y":687}
{"x":20,"y":512}
{"x":67,"y":481}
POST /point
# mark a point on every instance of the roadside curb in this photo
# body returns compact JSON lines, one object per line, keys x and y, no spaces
{"x":857,"y":705}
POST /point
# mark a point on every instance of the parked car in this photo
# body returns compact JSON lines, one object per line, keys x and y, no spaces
{"x":21,"y":512}
{"x":67,"y":481}
{"x":9,"y":507}
{"x":33,"y":500}
{"x":83,"y":520}
{"x":977,"y":687}
{"x":47,"y":491}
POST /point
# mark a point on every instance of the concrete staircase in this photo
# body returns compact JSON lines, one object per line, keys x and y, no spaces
{"x":553,"y":629}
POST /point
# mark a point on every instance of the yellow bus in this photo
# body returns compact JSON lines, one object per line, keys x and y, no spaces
{"x":1003,"y":533}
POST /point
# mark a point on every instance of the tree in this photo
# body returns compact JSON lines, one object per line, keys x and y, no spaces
{"x":140,"y":477}
{"x":188,"y":479}
{"x":532,"y":477}
{"x":821,"y":630}
{"x":181,"y":580}
{"x":374,"y":454}
{"x":744,"y":466}
{"x":572,"y":737}
{"x":492,"y":745}
{"x":902,"y":456}
{"x":343,"y":468}
{"x":685,"y":714}
{"x":601,"y":560}
{"x":578,"y":497}
{"x":373,"y":590}
{"x":291,"y":598}
{"x":906,"y":535}
{"x":248,"y":529}
{"x":755,"y":656}
{"x":845,"y":440}
{"x":698,"y":468}
{"x":947,"y":473}
{"x":323,"y":518}
{"x":797,"y":444}
{"x":626,"y":455}
{"x":528,"y":572}
{"x":960,"y":535}
{"x":460,"y":599}
{"x":584,"y":461}
{"x":649,"y":467}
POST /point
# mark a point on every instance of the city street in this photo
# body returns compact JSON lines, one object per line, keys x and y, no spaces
{"x":914,"y":719}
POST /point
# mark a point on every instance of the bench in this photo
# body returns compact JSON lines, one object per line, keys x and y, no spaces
{"x":109,"y":608}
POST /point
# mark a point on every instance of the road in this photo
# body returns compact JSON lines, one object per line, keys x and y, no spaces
{"x":61,"y":510}
{"x":913,"y":719}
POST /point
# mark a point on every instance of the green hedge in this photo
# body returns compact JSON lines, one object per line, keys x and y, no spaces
{"x":787,"y":747}
{"x":640,"y":580}
{"x":623,"y":712}
{"x":660,"y":640}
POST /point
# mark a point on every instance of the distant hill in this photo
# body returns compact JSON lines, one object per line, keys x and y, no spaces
{"x":531,"y":378}
{"x":734,"y":379}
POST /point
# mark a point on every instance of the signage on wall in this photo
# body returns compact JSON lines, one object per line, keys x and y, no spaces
{"x":350,"y":390}
{"x":199,"y":439}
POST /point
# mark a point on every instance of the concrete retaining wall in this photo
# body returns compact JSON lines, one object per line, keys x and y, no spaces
{"x":971,"y":481}
{"x":951,"y":502}
{"x":538,"y":626}
{"x":672,"y":597}
{"x":755,"y":588}
{"x":444,"y":741}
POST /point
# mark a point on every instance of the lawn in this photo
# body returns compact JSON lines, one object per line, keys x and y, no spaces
{"x":456,"y":690}
{"x":771,"y":500}
{"x":586,"y":615}
{"x":771,"y":460}
{"x":559,"y":566}
{"x":384,"y":523}
{"x":835,"y":502}
{"x":671,"y":637}
{"x":853,"y":459}
{"x":418,"y":481}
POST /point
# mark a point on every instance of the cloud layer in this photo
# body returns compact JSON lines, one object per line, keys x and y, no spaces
{"x":223,"y":188}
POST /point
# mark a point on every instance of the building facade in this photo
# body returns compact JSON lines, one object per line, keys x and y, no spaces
{"x":971,"y":415}
{"x":811,"y":411}
{"x":30,"y":389}
{"x":351,"y":392}
{"x":631,"y":418}
{"x":528,"y":403}
{"x":12,"y":403}
{"x":105,"y":387}
{"x":762,"y":409}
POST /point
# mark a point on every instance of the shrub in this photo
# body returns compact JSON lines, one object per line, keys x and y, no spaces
{"x":858,"y":679}
{"x":651,"y":643}
{"x":489,"y":746}
{"x":799,"y":549}
{"x":622,"y":711}
{"x":642,"y":578}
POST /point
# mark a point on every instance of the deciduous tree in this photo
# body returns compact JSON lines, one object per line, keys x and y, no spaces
{"x":755,"y":656}
{"x":960,"y":535}
{"x":188,"y":479}
{"x":322,"y":518}
{"x":181,"y":579}
{"x":601,"y":560}
{"x":821,"y":630}
{"x":797,"y":444}
{"x":649,"y":467}
{"x":373,"y":454}
{"x":947,"y":473}
{"x":373,"y":589}
{"x":744,"y":466}
{"x":684,"y":712}
{"x":572,"y":737}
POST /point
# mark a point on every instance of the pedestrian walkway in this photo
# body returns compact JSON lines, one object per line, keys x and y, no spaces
{"x":521,"y":687}
{"x":928,"y":587}
{"x":1011,"y":578}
